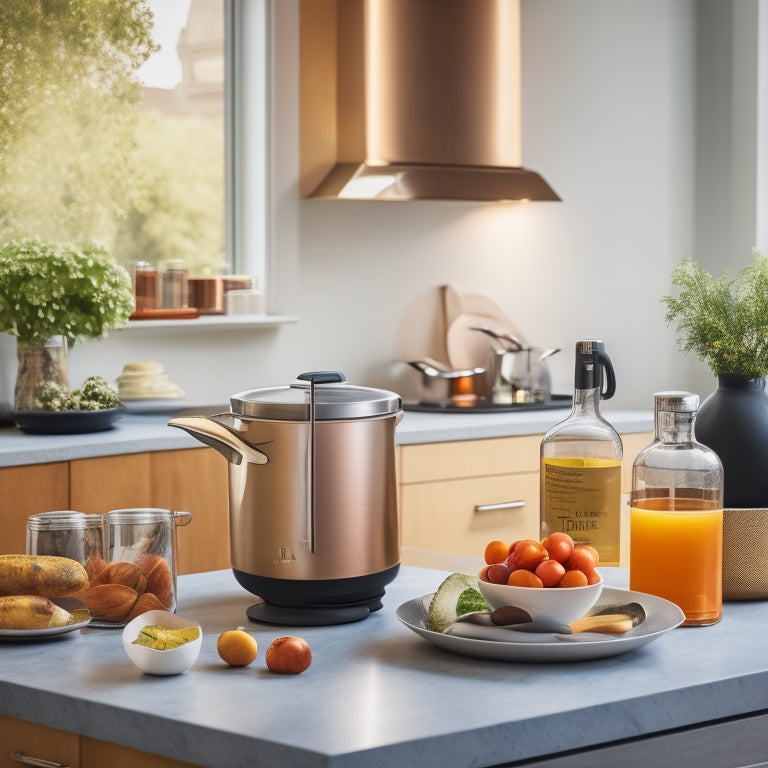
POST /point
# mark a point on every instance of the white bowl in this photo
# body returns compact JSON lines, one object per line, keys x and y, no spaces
{"x":154,"y":662}
{"x":552,"y":604}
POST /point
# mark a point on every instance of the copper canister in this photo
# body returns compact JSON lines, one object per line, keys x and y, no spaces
{"x":207,"y":294}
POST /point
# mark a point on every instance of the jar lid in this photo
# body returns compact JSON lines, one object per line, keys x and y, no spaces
{"x":335,"y":399}
{"x":138,"y":516}
{"x":678,"y":402}
{"x":62,"y":520}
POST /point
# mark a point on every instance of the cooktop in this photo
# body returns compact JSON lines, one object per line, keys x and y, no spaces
{"x":555,"y":401}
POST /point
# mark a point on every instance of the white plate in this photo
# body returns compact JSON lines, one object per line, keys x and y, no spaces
{"x":661,"y":617}
{"x":35,"y":634}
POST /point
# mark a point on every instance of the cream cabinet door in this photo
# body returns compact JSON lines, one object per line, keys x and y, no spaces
{"x":462,"y":516}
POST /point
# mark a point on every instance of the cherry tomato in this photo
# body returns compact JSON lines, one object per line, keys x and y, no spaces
{"x":583,"y":558}
{"x":529,"y":553}
{"x":550,"y":572}
{"x":559,"y":546}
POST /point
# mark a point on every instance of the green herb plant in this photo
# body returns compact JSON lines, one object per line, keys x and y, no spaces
{"x":723,"y":320}
{"x":47,"y":289}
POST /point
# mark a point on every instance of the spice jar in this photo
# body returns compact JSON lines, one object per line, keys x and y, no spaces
{"x":146,"y":284}
{"x":676,"y":514}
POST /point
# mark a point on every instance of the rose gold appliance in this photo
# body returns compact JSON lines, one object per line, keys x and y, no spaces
{"x":312,"y":496}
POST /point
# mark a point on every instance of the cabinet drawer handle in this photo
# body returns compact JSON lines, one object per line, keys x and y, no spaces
{"x":500,"y":505}
{"x":20,"y":757}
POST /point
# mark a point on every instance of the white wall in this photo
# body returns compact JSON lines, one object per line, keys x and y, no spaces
{"x":611,"y":106}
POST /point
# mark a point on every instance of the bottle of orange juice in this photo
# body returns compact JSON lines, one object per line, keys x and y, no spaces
{"x":676,"y":514}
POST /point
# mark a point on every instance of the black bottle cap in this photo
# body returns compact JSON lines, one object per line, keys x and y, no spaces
{"x":591,"y":362}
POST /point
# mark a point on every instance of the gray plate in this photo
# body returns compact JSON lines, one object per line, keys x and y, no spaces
{"x":661,"y":617}
{"x":67,"y":422}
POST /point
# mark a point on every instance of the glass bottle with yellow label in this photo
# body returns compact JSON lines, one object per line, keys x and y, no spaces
{"x":580,"y":477}
{"x":676,"y":515}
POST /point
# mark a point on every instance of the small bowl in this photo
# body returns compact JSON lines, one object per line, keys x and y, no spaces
{"x":154,"y":662}
{"x":552,"y":604}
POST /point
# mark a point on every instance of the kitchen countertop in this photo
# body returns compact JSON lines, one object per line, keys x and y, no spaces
{"x":379,"y":695}
{"x":137,"y":433}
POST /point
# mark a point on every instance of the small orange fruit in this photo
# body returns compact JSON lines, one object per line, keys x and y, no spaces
{"x":496,"y":552}
{"x":573,"y":579}
{"x":524,"y":578}
{"x":237,"y":647}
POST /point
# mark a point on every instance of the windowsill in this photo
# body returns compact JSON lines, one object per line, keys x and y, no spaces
{"x":215,"y":321}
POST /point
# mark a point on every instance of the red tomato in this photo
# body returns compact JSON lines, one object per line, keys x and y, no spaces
{"x":529,"y":553}
{"x":550,"y":572}
{"x":559,"y":546}
{"x":498,"y":573}
{"x":584,"y":558}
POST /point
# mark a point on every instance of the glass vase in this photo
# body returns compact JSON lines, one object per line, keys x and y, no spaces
{"x":39,"y":363}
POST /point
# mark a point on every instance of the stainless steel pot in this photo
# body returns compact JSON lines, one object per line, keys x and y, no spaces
{"x":520,"y":375}
{"x":312,"y":490}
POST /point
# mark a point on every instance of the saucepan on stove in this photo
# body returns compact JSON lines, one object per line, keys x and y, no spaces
{"x":441,"y":384}
{"x":312,"y":496}
{"x":517,"y":373}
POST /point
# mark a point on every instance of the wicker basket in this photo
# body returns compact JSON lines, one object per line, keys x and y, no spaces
{"x":745,"y":554}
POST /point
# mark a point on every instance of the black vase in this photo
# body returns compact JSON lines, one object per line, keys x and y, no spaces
{"x":733,"y":422}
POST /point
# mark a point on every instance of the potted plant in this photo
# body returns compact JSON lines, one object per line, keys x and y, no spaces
{"x":724,"y":320}
{"x":51,"y":295}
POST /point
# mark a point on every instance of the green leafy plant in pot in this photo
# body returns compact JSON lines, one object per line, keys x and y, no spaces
{"x":724,"y":321}
{"x":51,"y":295}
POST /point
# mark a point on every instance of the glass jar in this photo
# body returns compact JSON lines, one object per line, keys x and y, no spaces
{"x":146,"y":539}
{"x":66,"y":533}
{"x":676,"y":514}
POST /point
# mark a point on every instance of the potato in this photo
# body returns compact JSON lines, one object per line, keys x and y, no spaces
{"x":42,"y":575}
{"x":31,"y":612}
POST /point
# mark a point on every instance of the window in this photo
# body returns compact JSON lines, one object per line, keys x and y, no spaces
{"x":117,"y":125}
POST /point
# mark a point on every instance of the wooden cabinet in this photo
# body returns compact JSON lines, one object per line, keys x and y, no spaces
{"x":194,"y":480}
{"x":22,"y":742}
{"x":457,"y":496}
{"x":23,"y":739}
{"x":26,"y":491}
{"x":101,"y":754}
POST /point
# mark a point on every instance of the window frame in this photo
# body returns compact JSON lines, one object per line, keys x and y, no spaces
{"x":248,"y":95}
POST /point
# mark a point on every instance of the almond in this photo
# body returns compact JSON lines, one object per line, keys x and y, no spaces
{"x":110,"y":602}
{"x":146,"y":602}
{"x":97,"y":570}
{"x":159,"y":578}
{"x":131,"y":575}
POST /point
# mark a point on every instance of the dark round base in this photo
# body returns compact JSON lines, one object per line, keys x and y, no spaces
{"x":311,"y":617}
{"x":312,"y":603}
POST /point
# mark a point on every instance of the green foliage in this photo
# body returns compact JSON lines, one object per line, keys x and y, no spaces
{"x":47,"y":289}
{"x":96,"y":394}
{"x":69,"y":99}
{"x":177,"y":210}
{"x":724,"y":320}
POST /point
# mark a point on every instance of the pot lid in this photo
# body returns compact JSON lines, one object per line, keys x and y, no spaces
{"x":335,"y":399}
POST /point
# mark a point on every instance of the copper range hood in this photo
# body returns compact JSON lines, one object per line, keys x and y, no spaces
{"x":413,"y":99}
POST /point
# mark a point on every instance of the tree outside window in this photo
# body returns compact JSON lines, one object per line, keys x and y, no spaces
{"x":90,"y":152}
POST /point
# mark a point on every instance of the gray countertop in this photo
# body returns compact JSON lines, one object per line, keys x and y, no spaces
{"x":137,"y":433}
{"x":377,"y":694}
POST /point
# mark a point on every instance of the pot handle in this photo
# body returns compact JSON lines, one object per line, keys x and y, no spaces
{"x":181,"y":518}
